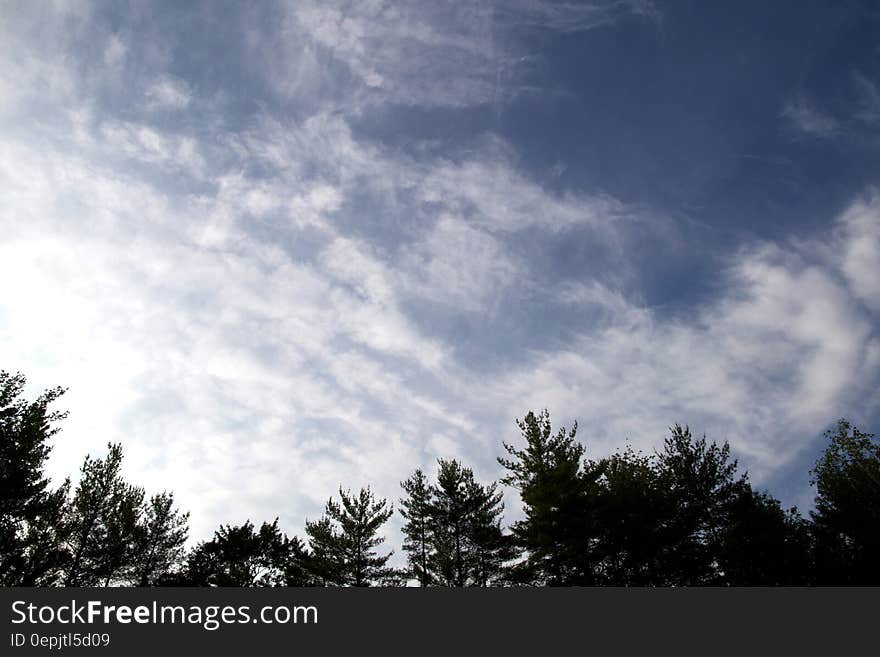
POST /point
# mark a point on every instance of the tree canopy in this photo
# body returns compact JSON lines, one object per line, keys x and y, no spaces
{"x":683,"y":515}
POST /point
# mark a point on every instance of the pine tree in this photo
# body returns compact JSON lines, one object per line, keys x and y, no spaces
{"x":242,"y":556}
{"x":103,"y":520}
{"x":449,"y":517}
{"x":32,"y":523}
{"x":159,"y":544}
{"x":469,"y":547}
{"x":296,"y":560}
{"x":699,"y":483}
{"x":489,"y":548}
{"x":762,"y":544}
{"x":417,"y":530}
{"x":556,"y":532}
{"x":326,"y":567}
{"x":847,"y":511}
{"x":347,"y":537}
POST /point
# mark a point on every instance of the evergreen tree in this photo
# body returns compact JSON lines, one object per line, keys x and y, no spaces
{"x":103,"y":519}
{"x":347,"y":537}
{"x":762,"y":544}
{"x":699,"y":483}
{"x":557,"y":530}
{"x":242,"y":556}
{"x":32,"y":523}
{"x":325,"y":564}
{"x":417,"y":530}
{"x":296,"y":561}
{"x":847,"y":509}
{"x":629,"y":510}
{"x":469,"y":548}
{"x":159,"y":543}
{"x":488,"y":546}
{"x":449,"y":517}
{"x":656,"y":526}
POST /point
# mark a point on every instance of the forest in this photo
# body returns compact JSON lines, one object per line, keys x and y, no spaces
{"x":684,"y":515}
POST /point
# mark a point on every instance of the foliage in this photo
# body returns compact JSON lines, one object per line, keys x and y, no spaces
{"x":243,"y":556}
{"x":418,"y":529}
{"x":103,"y":520}
{"x":846,"y":520}
{"x":159,"y":542}
{"x":681,"y":516}
{"x":32,"y":522}
{"x":343,"y":542}
{"x":466,"y":544}
{"x":553,"y":486}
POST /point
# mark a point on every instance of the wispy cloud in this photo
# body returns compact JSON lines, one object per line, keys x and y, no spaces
{"x":572,"y":17}
{"x":869,"y":98}
{"x":807,"y":118}
{"x":860,"y":249}
{"x":786,"y":345}
{"x":264,"y":302}
{"x":426,"y":53}
{"x":167,"y":92}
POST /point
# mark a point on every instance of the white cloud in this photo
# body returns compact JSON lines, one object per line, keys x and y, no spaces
{"x":810,"y":120}
{"x":425,"y":53}
{"x":235,"y":300}
{"x":169,"y":93}
{"x":860,"y":226}
{"x":782,"y":352}
{"x":572,"y":17}
{"x":409,"y":52}
{"x":495,"y":195}
{"x":869,"y":98}
{"x":459,"y":265}
{"x":115,"y":51}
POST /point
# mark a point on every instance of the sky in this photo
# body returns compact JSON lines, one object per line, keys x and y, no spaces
{"x":277,"y":247}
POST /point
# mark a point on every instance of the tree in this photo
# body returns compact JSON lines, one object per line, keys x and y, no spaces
{"x":241,"y":556}
{"x":159,"y":543}
{"x":325,"y":564}
{"x":103,"y":520}
{"x":449,"y":517}
{"x":629,"y":511}
{"x":699,"y":483}
{"x":489,"y":547}
{"x":344,"y":541}
{"x":469,"y":548}
{"x":762,"y":544}
{"x":32,"y":527}
{"x":847,"y":508}
{"x":417,"y":530}
{"x":556,"y":532}
{"x":683,"y":517}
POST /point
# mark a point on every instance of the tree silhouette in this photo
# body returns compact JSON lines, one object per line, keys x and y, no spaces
{"x":242,"y":556}
{"x":762,"y":544}
{"x":699,"y":482}
{"x":847,"y":514}
{"x":159,"y":541}
{"x":630,"y":512}
{"x":680,"y":516}
{"x":417,"y":530}
{"x":469,"y":548}
{"x":490,"y":548}
{"x":325,"y":564}
{"x":343,"y":542}
{"x":103,"y":520}
{"x":32,"y":523}
{"x":556,"y":532}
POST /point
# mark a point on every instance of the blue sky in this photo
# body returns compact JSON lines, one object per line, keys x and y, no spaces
{"x":278,"y":247}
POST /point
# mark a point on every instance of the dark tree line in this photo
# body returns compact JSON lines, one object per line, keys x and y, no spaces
{"x":681,"y":516}
{"x":453,"y":532}
{"x":104,"y":531}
